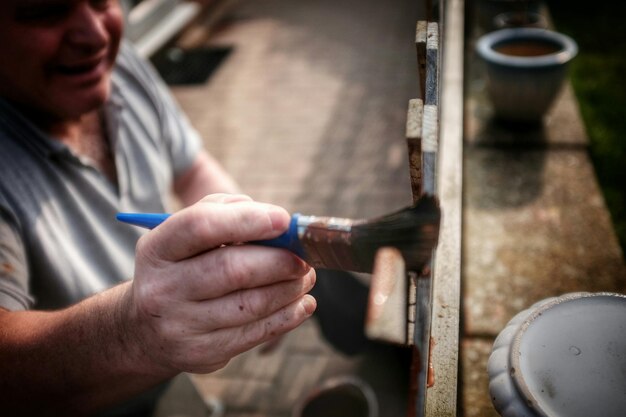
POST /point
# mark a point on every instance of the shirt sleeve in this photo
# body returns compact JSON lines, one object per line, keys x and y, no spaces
{"x":14,"y":292}
{"x":182,"y":140}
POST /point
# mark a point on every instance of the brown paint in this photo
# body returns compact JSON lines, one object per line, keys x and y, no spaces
{"x":527,"y":48}
{"x":327,"y":247}
{"x":414,"y":388}
{"x":430,"y":379}
{"x":7,"y":268}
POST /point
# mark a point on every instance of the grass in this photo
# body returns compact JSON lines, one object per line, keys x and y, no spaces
{"x":598,"y":77}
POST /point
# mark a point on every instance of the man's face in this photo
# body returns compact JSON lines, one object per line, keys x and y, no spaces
{"x":56,"y":56}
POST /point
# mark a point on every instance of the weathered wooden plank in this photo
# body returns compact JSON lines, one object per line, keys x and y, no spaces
{"x":432,"y":64}
{"x":387,"y":305}
{"x":420,"y":46}
{"x":414,"y":116}
{"x":441,"y":395}
{"x":421,"y":282}
{"x":430,"y":124}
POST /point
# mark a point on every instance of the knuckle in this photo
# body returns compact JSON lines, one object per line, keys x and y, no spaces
{"x":206,"y":356}
{"x":235,"y":268}
{"x":147,"y":299}
{"x":236,"y":198}
{"x":143,"y":249}
{"x":255,"y":302}
{"x":192,"y":357}
{"x":291,"y":265}
{"x":194,"y":228}
{"x":211,"y":198}
{"x":257,"y":332}
{"x":147,"y":255}
{"x":245,"y":303}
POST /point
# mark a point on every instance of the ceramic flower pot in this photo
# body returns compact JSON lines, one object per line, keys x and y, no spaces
{"x":340,"y":396}
{"x":562,"y":357}
{"x":525,"y":69}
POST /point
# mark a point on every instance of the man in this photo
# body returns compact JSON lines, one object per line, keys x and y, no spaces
{"x":87,"y":130}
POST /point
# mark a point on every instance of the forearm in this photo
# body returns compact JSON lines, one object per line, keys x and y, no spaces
{"x":72,"y":361}
{"x":205,"y":176}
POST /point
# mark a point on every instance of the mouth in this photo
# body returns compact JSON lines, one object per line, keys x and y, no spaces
{"x":83,"y":72}
{"x":77,"y":69}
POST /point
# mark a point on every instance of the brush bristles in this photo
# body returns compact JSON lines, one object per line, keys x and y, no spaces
{"x":414,"y":231}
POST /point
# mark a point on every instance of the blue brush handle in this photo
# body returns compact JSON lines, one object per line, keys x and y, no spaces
{"x":288,"y":240}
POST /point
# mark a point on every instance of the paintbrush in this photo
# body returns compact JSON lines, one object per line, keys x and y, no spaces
{"x":348,"y":244}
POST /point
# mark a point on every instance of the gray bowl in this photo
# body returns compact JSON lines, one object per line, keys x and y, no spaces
{"x":526,"y":68}
{"x":562,"y":357}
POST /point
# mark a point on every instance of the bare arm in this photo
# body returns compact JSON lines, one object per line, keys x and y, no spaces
{"x":71,"y":361}
{"x":193,"y":305}
{"x":205,"y":176}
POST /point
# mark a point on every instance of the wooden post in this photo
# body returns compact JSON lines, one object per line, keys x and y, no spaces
{"x":420,"y":46}
{"x":430,"y":129}
{"x":386,"y":313}
{"x":441,"y":395}
{"x":414,"y":116}
{"x":422,"y":139}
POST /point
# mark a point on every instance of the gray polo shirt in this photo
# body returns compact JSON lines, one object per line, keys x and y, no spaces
{"x":59,"y":240}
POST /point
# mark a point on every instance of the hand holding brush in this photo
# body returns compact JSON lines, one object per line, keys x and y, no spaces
{"x":348,"y":244}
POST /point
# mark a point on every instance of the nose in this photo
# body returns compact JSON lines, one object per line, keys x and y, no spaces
{"x":87,"y":29}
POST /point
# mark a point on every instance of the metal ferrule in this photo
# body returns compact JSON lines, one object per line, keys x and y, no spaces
{"x":330,"y":223}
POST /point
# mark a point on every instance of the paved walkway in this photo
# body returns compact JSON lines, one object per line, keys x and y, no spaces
{"x":309,"y":112}
{"x":309,"y":109}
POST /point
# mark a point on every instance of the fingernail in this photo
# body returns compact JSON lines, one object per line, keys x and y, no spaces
{"x":301,"y":266}
{"x":279,"y":218}
{"x":312,"y":277}
{"x":309,"y":304}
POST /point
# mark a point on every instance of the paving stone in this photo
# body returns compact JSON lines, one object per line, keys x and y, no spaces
{"x":303,"y":108}
{"x":302,"y":373}
{"x":181,"y":399}
{"x":235,"y":394}
{"x":475,"y":380}
{"x":307,"y":340}
{"x":535,"y":226}
{"x":562,"y":125}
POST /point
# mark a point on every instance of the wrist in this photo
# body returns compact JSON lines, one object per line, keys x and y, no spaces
{"x":135,"y":337}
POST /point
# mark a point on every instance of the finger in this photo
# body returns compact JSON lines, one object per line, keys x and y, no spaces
{"x":232,"y":268}
{"x":246,"y":306}
{"x":243,"y":338}
{"x":225,"y":198}
{"x":207,"y":225}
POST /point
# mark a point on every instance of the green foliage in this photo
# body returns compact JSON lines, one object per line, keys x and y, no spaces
{"x":598,"y":78}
